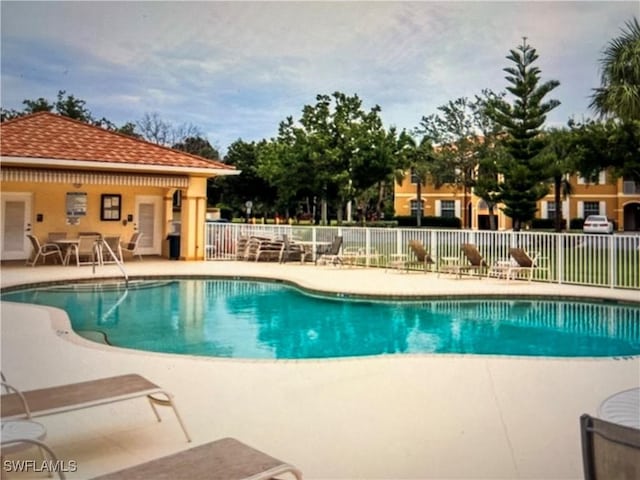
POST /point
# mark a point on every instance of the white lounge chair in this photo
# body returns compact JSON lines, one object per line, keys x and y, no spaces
{"x":77,"y":396}
{"x":45,"y":250}
{"x":131,"y":246}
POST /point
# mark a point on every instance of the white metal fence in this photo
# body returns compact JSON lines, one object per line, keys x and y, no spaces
{"x":598,"y":260}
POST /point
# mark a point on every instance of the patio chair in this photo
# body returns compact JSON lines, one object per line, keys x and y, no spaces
{"x":52,"y":237}
{"x":422,"y":256}
{"x":86,"y":251}
{"x":332,"y":253}
{"x":45,"y":250}
{"x":224,"y":459}
{"x":241,"y":248}
{"x":113,"y":242}
{"x":523,"y":263}
{"x":609,"y":450}
{"x":269,"y":250}
{"x":292,"y":251}
{"x":76,"y":396}
{"x":472,"y":261}
{"x":131,"y":247}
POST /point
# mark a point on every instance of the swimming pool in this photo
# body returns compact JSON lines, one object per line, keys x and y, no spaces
{"x":256,"y":319}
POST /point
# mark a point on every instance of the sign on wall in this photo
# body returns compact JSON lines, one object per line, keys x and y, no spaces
{"x":76,"y":204}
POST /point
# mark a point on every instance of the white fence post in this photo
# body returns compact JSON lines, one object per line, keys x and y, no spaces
{"x":561,"y":240}
{"x":612,"y":263}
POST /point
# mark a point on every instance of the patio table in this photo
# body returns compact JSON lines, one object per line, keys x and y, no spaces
{"x":67,"y":245}
{"x":20,"y":434}
{"x":622,"y":408}
{"x":307,"y":246}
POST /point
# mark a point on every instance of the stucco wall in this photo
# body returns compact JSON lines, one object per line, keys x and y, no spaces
{"x":49,"y":200}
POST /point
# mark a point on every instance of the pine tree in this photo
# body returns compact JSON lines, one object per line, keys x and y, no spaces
{"x":522,"y":170}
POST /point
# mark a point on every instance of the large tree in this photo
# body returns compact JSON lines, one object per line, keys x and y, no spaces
{"x":235,"y":190}
{"x":560,"y":156}
{"x":66,"y":105}
{"x":283,"y":163}
{"x":608,"y":144}
{"x":345,"y":149}
{"x":459,"y":132}
{"x":156,"y":130}
{"x":614,"y":142}
{"x":619,"y":93}
{"x":523,"y":172}
{"x":198,"y":146}
{"x":414,"y":157}
{"x":490,"y":154}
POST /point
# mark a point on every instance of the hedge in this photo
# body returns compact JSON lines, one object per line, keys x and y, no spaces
{"x":444,"y":222}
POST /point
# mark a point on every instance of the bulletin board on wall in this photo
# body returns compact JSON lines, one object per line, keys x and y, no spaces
{"x":110,"y":207}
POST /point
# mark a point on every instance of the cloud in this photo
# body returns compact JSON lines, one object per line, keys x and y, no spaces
{"x":236,"y":69}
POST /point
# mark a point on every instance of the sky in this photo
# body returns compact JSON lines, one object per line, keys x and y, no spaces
{"x":235,"y":70}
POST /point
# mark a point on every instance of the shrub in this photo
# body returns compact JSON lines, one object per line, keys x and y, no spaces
{"x":546,"y":224}
{"x":443,"y":222}
{"x":372,"y":223}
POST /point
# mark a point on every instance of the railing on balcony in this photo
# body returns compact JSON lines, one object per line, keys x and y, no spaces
{"x":597,"y":260}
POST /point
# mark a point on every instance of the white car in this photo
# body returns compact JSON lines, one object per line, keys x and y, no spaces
{"x":597,"y":224}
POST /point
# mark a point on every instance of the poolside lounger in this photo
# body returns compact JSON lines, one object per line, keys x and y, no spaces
{"x":422,"y":256}
{"x":472,"y":261}
{"x":225,"y":459}
{"x":77,"y":396}
{"x":269,"y":250}
{"x":519,"y":262}
{"x":330,"y":254}
{"x":524,"y":262}
{"x":609,"y":450}
{"x":293,"y":251}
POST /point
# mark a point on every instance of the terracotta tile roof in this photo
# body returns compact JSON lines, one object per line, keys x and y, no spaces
{"x":49,"y":136}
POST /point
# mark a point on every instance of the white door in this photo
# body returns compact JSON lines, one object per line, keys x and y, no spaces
{"x":148,"y":221}
{"x":16,"y":223}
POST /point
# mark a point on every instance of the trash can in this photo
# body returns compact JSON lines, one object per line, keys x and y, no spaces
{"x":174,"y":246}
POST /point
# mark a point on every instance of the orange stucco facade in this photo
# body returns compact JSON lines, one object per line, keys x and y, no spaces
{"x":618,"y":199}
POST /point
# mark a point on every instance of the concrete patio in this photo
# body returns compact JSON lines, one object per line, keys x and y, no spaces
{"x":385,"y":417}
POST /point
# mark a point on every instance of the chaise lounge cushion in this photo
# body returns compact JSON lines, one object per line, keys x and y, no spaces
{"x":224,"y":459}
{"x":77,"y":396}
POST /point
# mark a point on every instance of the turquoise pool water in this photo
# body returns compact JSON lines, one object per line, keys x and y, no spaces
{"x":248,"y":319}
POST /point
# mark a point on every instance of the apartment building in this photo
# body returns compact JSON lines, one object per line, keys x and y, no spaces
{"x":618,"y":199}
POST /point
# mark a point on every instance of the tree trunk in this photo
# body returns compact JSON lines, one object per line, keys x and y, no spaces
{"x":557,"y":186}
{"x":340,"y":213}
{"x":419,"y":205}
{"x":492,"y":218}
{"x":516,"y":225}
{"x":324,"y":210}
{"x":380,"y":201}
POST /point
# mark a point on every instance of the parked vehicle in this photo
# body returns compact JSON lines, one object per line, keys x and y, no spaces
{"x":597,"y":224}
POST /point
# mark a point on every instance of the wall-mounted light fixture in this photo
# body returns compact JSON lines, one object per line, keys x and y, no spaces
{"x":77,"y":185}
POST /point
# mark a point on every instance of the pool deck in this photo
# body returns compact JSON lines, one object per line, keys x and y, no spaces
{"x":384,"y":417}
